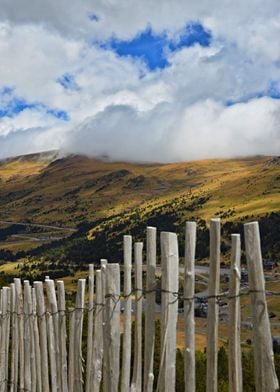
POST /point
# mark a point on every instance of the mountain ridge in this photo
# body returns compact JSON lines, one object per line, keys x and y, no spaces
{"x":88,"y":188}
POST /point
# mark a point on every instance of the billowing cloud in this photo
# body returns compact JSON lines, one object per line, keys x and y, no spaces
{"x":140,"y":80}
{"x":170,"y":132}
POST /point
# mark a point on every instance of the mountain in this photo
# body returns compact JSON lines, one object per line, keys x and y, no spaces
{"x":44,"y":189}
{"x":103,"y":200}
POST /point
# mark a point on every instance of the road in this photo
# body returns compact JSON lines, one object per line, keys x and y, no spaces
{"x":39,"y":225}
{"x":39,"y":239}
{"x":205,"y":269}
{"x":199,"y":269}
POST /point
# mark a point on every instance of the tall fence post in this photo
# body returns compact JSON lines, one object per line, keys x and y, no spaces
{"x":53,"y":319}
{"x":62,"y":334}
{"x":189,"y":291}
{"x":8,"y":328}
{"x":2,"y":352}
{"x":149,"y":344}
{"x":169,"y":312}
{"x":234,"y":353}
{"x":112,"y":327}
{"x":265,"y":375}
{"x":41,"y":312}
{"x":97,"y":354}
{"x":71,"y":354}
{"x":213,"y":307}
{"x":52,"y":349}
{"x":20,"y":324}
{"x":37,"y":350}
{"x":27,"y":336}
{"x":14,"y":344}
{"x":136,"y":385}
{"x":126,"y":349}
{"x":32,"y":319}
{"x":90,"y":328}
{"x":79,"y":316}
{"x":3,"y":339}
{"x":103,"y":264}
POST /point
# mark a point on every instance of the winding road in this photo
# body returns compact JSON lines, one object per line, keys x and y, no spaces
{"x":39,"y":225}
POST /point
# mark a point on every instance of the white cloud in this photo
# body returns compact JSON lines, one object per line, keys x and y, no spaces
{"x":122,"y":109}
{"x":170,"y":132}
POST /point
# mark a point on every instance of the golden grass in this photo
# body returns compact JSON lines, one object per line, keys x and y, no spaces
{"x":19,"y":169}
{"x":20,"y":245}
{"x":9,"y":268}
{"x":247,"y":185}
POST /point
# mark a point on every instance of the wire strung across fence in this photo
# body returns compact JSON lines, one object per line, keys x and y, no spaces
{"x":39,"y":353}
{"x":117,"y":298}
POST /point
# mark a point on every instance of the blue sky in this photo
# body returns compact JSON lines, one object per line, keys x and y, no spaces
{"x":140,"y":80}
{"x":272,"y":91}
{"x":153,"y":48}
{"x":11,"y":105}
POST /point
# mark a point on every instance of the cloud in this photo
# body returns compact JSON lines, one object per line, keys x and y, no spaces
{"x":140,"y":80}
{"x":206,"y":129}
{"x":27,"y":141}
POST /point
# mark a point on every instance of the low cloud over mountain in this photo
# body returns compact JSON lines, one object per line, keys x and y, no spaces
{"x":140,"y":81}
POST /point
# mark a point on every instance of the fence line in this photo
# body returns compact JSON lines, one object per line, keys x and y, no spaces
{"x":37,"y":355}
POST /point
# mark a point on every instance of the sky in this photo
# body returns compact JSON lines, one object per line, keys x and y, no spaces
{"x":145,"y":80}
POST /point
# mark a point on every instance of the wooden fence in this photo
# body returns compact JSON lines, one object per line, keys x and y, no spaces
{"x":41,"y":340}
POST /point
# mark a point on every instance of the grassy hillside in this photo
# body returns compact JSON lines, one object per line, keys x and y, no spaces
{"x":105,"y":200}
{"x":76,"y":189}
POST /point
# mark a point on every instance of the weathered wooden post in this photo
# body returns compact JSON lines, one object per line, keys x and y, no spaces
{"x":20,"y":323}
{"x":3,"y":338}
{"x":149,"y":344}
{"x":53,"y":319}
{"x":265,"y":375}
{"x":79,"y":316}
{"x":27,"y":337}
{"x":169,"y":311}
{"x":2,"y":353}
{"x":32,"y":343}
{"x":103,"y":264}
{"x":90,"y":328}
{"x":62,"y":334}
{"x":52,"y":349}
{"x":37,"y":350}
{"x":71,"y":355}
{"x":213,"y":307}
{"x":8,"y":328}
{"x":126,"y":350}
{"x":234,"y":354}
{"x":189,"y":291}
{"x":41,"y":313}
{"x":112,"y":327}
{"x":136,"y":384}
{"x":97,"y":354}
{"x":14,"y":344}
